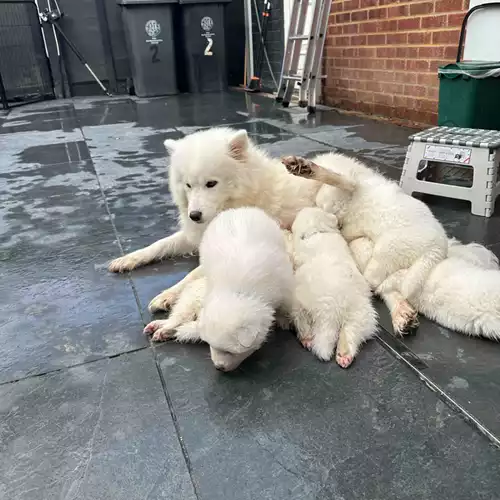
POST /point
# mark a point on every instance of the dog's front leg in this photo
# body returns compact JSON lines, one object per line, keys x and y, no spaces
{"x":169,"y":297}
{"x":176,"y":244}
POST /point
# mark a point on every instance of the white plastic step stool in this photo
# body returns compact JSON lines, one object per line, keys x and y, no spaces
{"x":465,"y":147}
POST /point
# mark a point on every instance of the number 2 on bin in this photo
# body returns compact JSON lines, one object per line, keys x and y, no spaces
{"x":208,"y":51}
{"x":154,"y":50}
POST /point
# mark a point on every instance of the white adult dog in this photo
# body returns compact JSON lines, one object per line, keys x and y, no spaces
{"x":332,"y":306}
{"x":404,"y":232}
{"x":461,"y":293}
{"x":211,"y":171}
{"x":249,"y":277}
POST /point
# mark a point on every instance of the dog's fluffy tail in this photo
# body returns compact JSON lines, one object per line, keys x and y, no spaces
{"x":418,"y":273}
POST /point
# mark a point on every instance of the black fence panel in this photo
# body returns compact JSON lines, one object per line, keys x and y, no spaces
{"x":24,"y":67}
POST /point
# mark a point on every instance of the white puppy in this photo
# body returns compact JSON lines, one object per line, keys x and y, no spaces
{"x":461,"y":293}
{"x":404,"y":231}
{"x":249,"y":277}
{"x":332,"y":299}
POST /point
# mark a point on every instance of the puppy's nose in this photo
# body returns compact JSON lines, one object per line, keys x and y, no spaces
{"x":221,"y":368}
{"x":195,"y":215}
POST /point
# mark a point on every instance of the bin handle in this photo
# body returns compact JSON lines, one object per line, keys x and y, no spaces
{"x":464,"y":24}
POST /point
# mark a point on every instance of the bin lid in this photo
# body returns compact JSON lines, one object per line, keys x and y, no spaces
{"x":476,"y":70}
{"x":145,"y":2}
{"x":191,"y":2}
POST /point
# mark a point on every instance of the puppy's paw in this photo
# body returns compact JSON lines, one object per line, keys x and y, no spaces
{"x":344,"y":360}
{"x":161,"y":330}
{"x":306,"y":342}
{"x":299,"y":166}
{"x":162,"y":302}
{"x":124,"y":264}
{"x":404,"y":318}
{"x":322,"y":352}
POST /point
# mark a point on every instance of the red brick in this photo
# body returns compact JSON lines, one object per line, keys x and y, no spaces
{"x":405,"y":77}
{"x":398,"y":10}
{"x":396,"y":64}
{"x":343,"y":18}
{"x":421,"y":8}
{"x":350,"y":4}
{"x":397,"y":38}
{"x":370,"y":27}
{"x":428,"y":79}
{"x":415,"y":90}
{"x":360,"y":15}
{"x":377,"y":13}
{"x":417,"y":65}
{"x":358,"y":40}
{"x":431,"y":52}
{"x":386,"y":52}
{"x":448,"y":5}
{"x":420,"y":38}
{"x":376,"y":39}
{"x":350,"y":29}
{"x":455,"y":19}
{"x":448,"y":37}
{"x":406,"y":52}
{"x":435,"y":22}
{"x":412,"y":23}
{"x":383,"y":98}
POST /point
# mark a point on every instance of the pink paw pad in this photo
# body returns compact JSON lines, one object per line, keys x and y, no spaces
{"x":150,"y":328}
{"x":307,"y":343}
{"x":344,"y":361}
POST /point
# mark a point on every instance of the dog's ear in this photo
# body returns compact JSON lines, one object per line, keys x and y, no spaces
{"x":170,"y":145}
{"x":256,"y":326}
{"x":238,"y":145}
{"x":332,"y":219}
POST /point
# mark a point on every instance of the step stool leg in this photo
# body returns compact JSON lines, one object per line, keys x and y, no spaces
{"x":414,"y":155}
{"x":485,"y":176}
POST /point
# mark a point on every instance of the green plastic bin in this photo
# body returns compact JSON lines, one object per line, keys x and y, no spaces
{"x":469,"y":95}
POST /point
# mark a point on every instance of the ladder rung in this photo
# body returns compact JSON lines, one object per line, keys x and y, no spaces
{"x":293,"y":77}
{"x":299,"y":37}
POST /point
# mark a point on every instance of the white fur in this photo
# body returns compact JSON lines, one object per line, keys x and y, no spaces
{"x":245,"y":176}
{"x":461,"y":293}
{"x":332,"y":299}
{"x":248,"y":277}
{"x":405,"y":233}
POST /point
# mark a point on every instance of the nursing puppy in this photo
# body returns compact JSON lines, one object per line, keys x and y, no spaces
{"x":249,"y":277}
{"x":461,"y":293}
{"x":332,"y":305}
{"x":403,"y":230}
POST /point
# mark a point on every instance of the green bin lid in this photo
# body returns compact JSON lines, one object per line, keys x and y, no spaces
{"x":476,"y":70}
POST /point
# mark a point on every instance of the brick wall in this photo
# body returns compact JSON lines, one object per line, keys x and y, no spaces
{"x":381,"y":56}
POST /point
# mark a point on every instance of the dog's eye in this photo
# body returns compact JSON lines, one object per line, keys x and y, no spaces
{"x":188,"y":186}
{"x":211,"y":184}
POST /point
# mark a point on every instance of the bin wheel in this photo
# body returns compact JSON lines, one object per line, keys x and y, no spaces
{"x":286,"y":104}
{"x":302,"y":104}
{"x":279,"y":99}
{"x":311,"y":109}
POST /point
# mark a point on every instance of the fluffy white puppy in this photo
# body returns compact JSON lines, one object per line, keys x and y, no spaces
{"x":461,"y":293}
{"x":249,"y":277}
{"x":332,"y":305}
{"x":403,"y":230}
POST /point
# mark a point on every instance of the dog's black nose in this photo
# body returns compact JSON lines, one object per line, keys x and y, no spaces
{"x":195,"y":215}
{"x":221,"y":368}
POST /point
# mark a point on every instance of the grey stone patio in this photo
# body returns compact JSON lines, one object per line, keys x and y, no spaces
{"x":90,"y":410}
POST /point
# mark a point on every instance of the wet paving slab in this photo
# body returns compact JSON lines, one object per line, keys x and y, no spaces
{"x":88,"y":409}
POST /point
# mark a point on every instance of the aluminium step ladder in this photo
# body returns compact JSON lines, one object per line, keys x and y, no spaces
{"x":308,"y":77}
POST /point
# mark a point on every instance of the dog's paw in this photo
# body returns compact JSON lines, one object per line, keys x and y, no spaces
{"x":162,"y":302}
{"x":299,"y":166}
{"x":404,"y":318}
{"x":344,"y":360}
{"x":123,"y":264}
{"x":307,"y":343}
{"x":160,"y":329}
